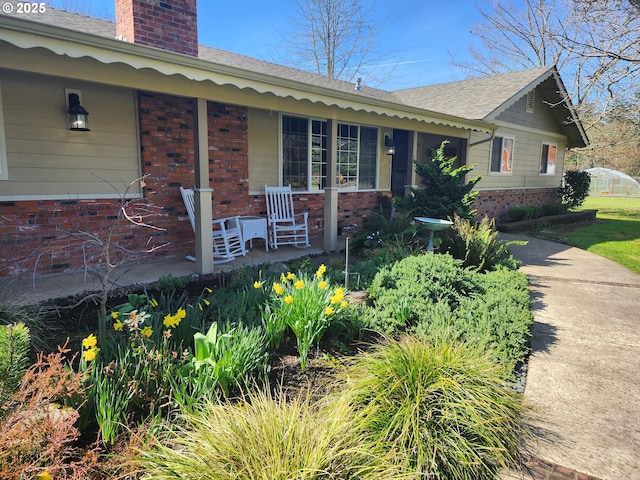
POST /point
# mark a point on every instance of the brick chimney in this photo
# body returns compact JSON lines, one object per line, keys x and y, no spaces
{"x":169,"y":25}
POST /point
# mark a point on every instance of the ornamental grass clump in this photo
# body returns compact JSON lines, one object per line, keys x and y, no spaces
{"x":306,"y":305}
{"x":442,"y":406}
{"x":267,"y":437}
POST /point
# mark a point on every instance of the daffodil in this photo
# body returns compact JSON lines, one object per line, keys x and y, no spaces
{"x":291,"y":276}
{"x":328,"y":310}
{"x":257,"y":284}
{"x":288,"y":299}
{"x":322,"y":285}
{"x":181,"y":313}
{"x":147,"y":331}
{"x":283,"y":278}
{"x":153,"y":302}
{"x":208,"y":290}
{"x":170,"y":321}
{"x":278,"y":288}
{"x":90,"y":354}
{"x":299,"y":284}
{"x":118,"y":325}
{"x":207,"y":302}
{"x":321,"y":270}
{"x":90,"y":342}
{"x":45,"y":475}
{"x":114,"y":315}
{"x":343,"y":304}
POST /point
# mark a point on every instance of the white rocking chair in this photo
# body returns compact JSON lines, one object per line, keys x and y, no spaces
{"x":227,"y":236}
{"x":285,"y":226}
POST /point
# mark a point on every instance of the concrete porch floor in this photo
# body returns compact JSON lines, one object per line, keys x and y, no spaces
{"x":41,"y":288}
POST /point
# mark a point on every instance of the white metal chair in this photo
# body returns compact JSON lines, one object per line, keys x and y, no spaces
{"x":227,"y":236}
{"x":285,"y":226}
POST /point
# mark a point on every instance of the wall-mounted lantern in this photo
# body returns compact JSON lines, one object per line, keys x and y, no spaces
{"x":389,"y":146}
{"x":78,"y":120}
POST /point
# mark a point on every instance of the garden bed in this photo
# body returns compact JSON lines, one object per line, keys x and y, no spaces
{"x":536,"y":223}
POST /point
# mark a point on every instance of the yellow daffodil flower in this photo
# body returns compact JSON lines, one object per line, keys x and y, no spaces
{"x":147,"y":331}
{"x":321,"y":270}
{"x":328,"y":311}
{"x":181,"y":313}
{"x":283,"y":278}
{"x":278,"y":288}
{"x":322,"y":285}
{"x":118,"y":325}
{"x":90,"y":354}
{"x":291,"y":276}
{"x":170,"y":321}
{"x":207,"y":302}
{"x":208,"y":290}
{"x":299,"y":284}
{"x":257,"y":284}
{"x":45,"y":475}
{"x":114,"y":315}
{"x":90,"y":342}
{"x":343,"y":304}
{"x":288,"y":299}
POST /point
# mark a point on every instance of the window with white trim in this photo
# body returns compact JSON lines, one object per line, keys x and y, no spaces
{"x":4,"y":173}
{"x":357,"y":156}
{"x":548,"y":159}
{"x":502,"y":155}
{"x":304,"y":153}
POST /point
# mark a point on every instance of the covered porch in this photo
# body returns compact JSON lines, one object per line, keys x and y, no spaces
{"x":45,"y":288}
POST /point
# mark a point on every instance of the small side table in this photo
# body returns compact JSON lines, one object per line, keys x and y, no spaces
{"x":254,"y":227}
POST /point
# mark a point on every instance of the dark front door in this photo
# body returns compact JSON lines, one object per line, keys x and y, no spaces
{"x":400,"y":163}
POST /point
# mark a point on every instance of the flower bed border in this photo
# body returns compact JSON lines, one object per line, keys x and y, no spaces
{"x":533,"y":223}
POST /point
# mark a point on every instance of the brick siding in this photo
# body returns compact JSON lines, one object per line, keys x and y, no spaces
{"x":496,"y":203}
{"x":45,"y":236}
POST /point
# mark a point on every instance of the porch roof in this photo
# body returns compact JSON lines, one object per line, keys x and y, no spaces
{"x":62,"y":33}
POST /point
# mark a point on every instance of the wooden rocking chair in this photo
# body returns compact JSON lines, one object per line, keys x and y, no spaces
{"x":285,"y":226}
{"x":227,"y":236}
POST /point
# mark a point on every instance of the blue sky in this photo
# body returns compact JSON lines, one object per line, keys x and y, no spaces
{"x":420,"y":33}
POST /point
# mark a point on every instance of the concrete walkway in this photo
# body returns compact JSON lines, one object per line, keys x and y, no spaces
{"x":584,"y":370}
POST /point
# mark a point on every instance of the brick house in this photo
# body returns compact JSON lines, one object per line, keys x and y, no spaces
{"x":183,"y":114}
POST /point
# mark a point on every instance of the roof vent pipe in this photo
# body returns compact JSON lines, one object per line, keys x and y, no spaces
{"x":358,"y":83}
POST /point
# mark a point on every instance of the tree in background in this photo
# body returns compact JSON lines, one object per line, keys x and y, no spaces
{"x":334,"y":38}
{"x":595,"y":45}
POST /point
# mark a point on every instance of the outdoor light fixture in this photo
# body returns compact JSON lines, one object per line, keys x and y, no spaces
{"x":77,"y":114}
{"x":389,"y":146}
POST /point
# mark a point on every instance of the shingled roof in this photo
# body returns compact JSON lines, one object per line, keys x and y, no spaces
{"x":475,"y":98}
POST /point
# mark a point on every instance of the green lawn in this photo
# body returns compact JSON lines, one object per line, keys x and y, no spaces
{"x":615,"y":234}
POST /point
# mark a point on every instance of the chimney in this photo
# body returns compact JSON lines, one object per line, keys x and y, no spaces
{"x":170,"y":25}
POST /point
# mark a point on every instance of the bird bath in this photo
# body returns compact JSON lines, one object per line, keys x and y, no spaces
{"x":434,"y":225}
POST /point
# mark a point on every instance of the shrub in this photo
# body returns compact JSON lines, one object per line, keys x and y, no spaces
{"x":14,"y":360}
{"x":525,"y":212}
{"x":575,"y":188}
{"x":378,"y":228}
{"x":496,"y":318}
{"x":267,"y":438}
{"x":476,"y":244}
{"x":442,"y":407}
{"x":37,"y":431}
{"x":403,"y":292}
{"x":553,"y":209}
{"x":444,"y":191}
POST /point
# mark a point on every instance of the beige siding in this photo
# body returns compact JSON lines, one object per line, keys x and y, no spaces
{"x":263,"y":149}
{"x":526,"y":161}
{"x":45,"y":158}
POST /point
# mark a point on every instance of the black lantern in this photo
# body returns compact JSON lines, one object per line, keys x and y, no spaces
{"x":77,"y":114}
{"x":389,"y":146}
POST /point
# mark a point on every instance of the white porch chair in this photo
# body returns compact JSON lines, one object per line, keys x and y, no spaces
{"x":227,"y":236}
{"x":285,"y":226}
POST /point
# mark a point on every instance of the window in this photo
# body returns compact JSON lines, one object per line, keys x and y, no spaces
{"x":531,"y":101}
{"x":304,"y":153}
{"x":357,"y":156}
{"x":548,"y":159}
{"x":502,"y":155}
{"x":4,"y":173}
